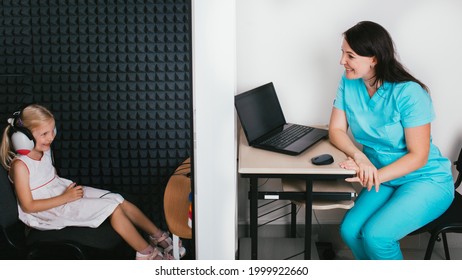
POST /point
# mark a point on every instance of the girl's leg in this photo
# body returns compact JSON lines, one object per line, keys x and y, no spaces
{"x":156,"y":235}
{"x":125,"y":228}
{"x":412,"y":205}
{"x":139,"y":219}
{"x":366,"y":205}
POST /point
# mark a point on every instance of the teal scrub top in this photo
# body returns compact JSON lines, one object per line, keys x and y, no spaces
{"x":378,"y":123}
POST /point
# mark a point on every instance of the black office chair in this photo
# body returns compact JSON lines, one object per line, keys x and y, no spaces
{"x":17,"y":241}
{"x":449,"y":222}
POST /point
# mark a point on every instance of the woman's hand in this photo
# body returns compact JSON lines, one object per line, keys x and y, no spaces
{"x":73,"y":192}
{"x":366,"y":172}
{"x":349,"y":164}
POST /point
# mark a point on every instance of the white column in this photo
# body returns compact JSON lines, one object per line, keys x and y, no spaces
{"x":214,"y":79}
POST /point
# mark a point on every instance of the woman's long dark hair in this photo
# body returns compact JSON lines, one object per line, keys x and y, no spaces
{"x":370,"y":39}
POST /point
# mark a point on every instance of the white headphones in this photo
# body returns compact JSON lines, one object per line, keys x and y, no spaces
{"x":21,"y":138}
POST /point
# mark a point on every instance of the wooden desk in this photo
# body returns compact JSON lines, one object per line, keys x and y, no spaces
{"x":257,"y":163}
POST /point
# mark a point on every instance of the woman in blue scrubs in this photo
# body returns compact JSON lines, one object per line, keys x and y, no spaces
{"x":407,"y":182}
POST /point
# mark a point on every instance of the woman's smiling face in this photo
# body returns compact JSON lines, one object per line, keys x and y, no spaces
{"x":356,"y":66}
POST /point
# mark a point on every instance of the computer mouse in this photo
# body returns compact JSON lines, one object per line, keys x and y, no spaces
{"x":322,"y":159}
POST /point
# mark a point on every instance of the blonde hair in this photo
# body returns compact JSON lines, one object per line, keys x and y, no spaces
{"x":30,"y":117}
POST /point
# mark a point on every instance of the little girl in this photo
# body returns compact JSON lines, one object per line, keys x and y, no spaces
{"x":48,"y":202}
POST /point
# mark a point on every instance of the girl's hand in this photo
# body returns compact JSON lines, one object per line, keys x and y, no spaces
{"x":73,"y":192}
{"x":366,"y":172}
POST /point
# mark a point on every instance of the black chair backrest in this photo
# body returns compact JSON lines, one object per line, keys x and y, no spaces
{"x":458,"y":164}
{"x":8,"y":203}
{"x":12,"y":234}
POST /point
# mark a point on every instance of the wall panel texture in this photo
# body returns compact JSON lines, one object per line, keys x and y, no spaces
{"x":117,"y":76}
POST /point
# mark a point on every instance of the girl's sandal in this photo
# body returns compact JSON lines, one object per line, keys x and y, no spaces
{"x":155,"y":255}
{"x":165,"y":242}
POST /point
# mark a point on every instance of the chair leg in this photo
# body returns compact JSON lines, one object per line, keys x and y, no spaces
{"x":176,"y":248}
{"x":446,"y":248}
{"x":430,"y":246}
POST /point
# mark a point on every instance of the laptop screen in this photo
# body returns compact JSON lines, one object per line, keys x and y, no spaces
{"x":259,"y":111}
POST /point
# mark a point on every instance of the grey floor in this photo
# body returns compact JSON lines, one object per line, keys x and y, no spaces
{"x":275,"y":244}
{"x":409,"y":254}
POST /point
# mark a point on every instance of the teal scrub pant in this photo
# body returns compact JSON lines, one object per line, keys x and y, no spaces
{"x":373,"y":227}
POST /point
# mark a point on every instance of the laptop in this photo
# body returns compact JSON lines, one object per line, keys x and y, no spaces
{"x":265,"y":126}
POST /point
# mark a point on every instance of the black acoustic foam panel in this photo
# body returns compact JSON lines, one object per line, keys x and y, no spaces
{"x":117,"y":76}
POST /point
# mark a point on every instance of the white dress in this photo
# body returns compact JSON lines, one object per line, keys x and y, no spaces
{"x":89,"y":211}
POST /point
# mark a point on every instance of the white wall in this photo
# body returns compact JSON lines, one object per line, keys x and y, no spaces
{"x":296,"y":44}
{"x":214,"y":83}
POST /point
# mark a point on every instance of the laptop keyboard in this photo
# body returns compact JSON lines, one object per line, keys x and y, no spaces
{"x":287,"y":136}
